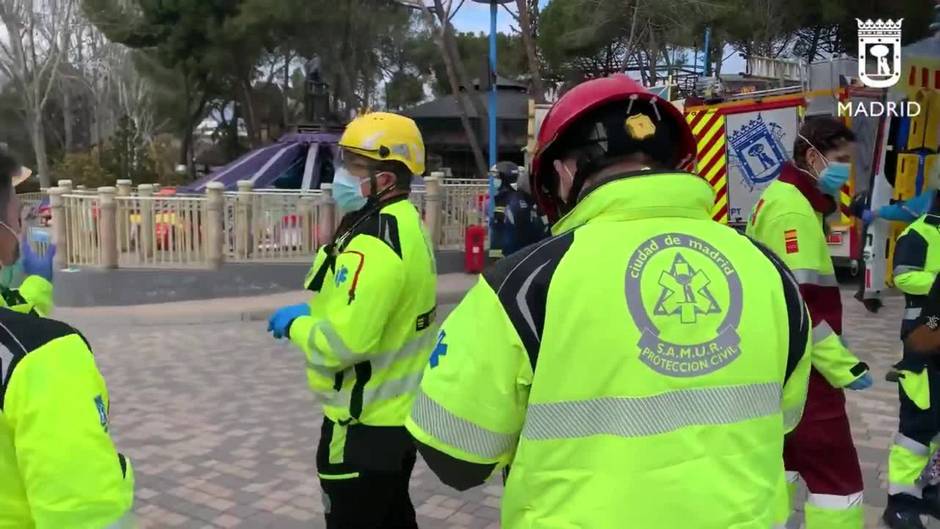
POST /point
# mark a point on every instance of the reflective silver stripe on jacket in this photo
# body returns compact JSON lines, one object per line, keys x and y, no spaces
{"x":912,"y":313}
{"x":380,"y":360}
{"x":373,"y":393}
{"x":805,"y":276}
{"x":822,"y":331}
{"x":457,"y":432}
{"x":657,"y":414}
{"x":792,"y":416}
{"x":913,"y":490}
{"x":903,"y":269}
{"x":911,"y":445}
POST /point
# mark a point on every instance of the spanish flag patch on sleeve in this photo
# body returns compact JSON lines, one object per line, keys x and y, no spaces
{"x":790,"y":239}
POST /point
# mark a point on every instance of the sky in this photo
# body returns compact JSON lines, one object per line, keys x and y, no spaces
{"x":475,"y":17}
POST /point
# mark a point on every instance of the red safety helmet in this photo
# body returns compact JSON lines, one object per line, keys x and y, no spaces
{"x":583,"y":107}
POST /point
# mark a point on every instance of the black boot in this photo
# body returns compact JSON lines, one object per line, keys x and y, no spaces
{"x":903,"y":512}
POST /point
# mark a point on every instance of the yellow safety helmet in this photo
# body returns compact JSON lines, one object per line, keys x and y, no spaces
{"x":384,"y":136}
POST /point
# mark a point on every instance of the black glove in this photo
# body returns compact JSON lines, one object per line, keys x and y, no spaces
{"x":859,"y":204}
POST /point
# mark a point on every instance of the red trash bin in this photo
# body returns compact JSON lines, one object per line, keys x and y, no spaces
{"x":474,"y":250}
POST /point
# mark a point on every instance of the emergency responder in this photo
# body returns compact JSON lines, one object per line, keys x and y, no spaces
{"x":789,"y":218}
{"x":516,"y":220}
{"x":672,"y":352}
{"x":35,"y":292}
{"x":916,"y":263}
{"x":58,"y":465}
{"x":367,"y":332}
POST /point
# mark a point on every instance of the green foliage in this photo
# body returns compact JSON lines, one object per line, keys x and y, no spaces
{"x":126,"y":155}
{"x":83,"y":168}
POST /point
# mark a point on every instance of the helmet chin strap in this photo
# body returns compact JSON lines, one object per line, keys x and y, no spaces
{"x":375,"y":196}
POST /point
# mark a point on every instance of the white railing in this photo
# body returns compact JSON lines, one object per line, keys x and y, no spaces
{"x":198,"y":230}
{"x":81,"y":227}
{"x":160,"y":231}
{"x":272,"y":226}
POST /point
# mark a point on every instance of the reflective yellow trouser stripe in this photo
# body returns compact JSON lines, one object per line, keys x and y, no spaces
{"x":337,"y":477}
{"x":337,"y":444}
{"x":906,"y":461}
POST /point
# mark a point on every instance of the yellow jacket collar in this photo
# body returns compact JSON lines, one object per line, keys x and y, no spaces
{"x":642,"y":195}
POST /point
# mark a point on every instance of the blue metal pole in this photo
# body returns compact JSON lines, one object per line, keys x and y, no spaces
{"x":492,"y":113}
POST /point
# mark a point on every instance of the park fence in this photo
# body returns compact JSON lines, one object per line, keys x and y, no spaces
{"x":124,"y":227}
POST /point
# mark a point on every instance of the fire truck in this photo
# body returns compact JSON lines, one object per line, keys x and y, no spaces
{"x":744,"y":138}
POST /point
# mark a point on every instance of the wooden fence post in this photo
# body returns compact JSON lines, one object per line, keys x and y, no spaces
{"x":60,"y":233}
{"x":215,"y":205}
{"x":243,"y":220}
{"x":327,"y":219}
{"x":107,"y":226}
{"x":432,"y":207}
{"x":145,"y":192}
{"x":123,"y":218}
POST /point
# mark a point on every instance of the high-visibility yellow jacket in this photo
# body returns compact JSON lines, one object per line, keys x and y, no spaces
{"x":34,"y":294}
{"x":789,"y":218}
{"x":638,"y":369}
{"x":58,"y":466}
{"x":369,"y":334}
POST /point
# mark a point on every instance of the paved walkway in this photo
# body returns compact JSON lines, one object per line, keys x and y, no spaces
{"x":222,"y":430}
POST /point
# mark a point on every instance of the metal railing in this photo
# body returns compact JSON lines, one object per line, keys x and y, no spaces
{"x":464,"y":204}
{"x":159,"y":231}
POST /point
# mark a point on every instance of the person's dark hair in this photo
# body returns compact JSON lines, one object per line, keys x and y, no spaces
{"x":824,"y":133}
{"x":8,"y":167}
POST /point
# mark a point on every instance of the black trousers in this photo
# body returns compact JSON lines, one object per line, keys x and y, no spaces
{"x":373,"y":499}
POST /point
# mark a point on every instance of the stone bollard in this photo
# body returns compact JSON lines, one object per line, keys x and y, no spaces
{"x":81,"y":187}
{"x":123,"y":218}
{"x":107,"y":225}
{"x":327,"y":215}
{"x":215,"y":202}
{"x":146,"y":233}
{"x":60,"y":233}
{"x":66,"y":186}
{"x":433,"y":201}
{"x":243,"y":219}
{"x":156,"y":187}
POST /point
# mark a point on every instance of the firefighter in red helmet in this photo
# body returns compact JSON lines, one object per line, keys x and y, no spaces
{"x":671,"y":351}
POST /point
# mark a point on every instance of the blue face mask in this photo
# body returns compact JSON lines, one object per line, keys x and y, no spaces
{"x":833,"y":177}
{"x":347,"y":192}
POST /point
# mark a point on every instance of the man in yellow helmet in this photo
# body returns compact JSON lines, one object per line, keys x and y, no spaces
{"x":58,"y":465}
{"x":367,"y":330}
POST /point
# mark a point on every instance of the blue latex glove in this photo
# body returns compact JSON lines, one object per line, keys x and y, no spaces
{"x":867,"y":216}
{"x":862,"y":382}
{"x":36,"y":265}
{"x":279,"y":323}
